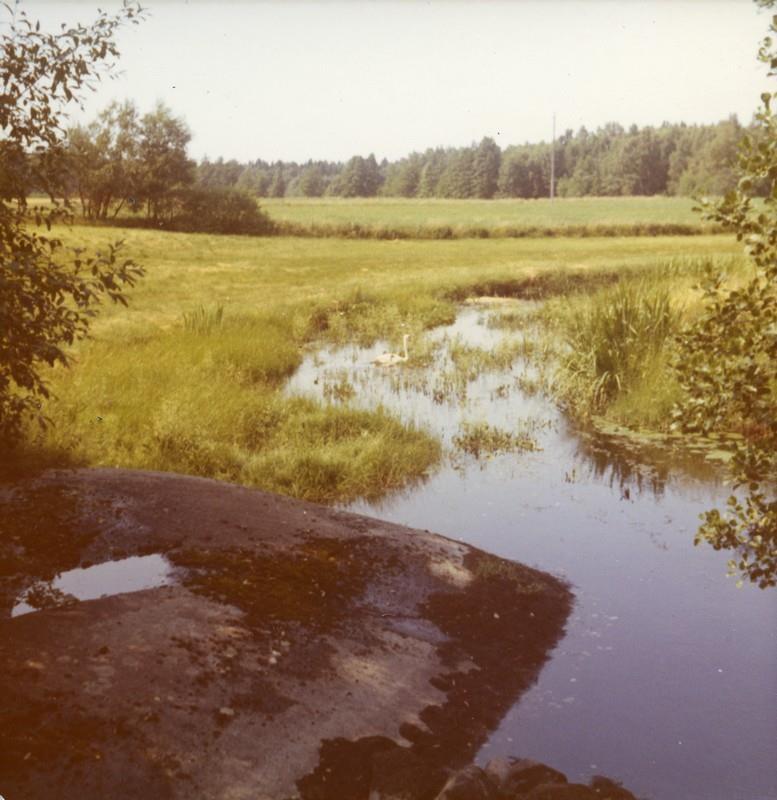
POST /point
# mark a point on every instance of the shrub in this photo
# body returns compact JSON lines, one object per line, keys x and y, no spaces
{"x":218,"y":210}
{"x":727,"y":361}
{"x":47,"y":295}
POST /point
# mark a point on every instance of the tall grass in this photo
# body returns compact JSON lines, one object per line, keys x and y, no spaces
{"x":202,"y":320}
{"x":205,"y":402}
{"x":618,"y":342}
{"x":610,"y":341}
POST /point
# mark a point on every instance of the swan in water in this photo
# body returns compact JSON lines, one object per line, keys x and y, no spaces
{"x":391,"y":359}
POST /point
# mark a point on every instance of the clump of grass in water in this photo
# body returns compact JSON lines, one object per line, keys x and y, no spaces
{"x":362,"y":317}
{"x":528,"y":385}
{"x":341,"y":390}
{"x":479,"y":438}
{"x":472,"y":361}
{"x":514,"y":320}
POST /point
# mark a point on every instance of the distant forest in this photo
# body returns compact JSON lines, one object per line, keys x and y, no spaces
{"x":138,"y":166}
{"x":673,"y":159}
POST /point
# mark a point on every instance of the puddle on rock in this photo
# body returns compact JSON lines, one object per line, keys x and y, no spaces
{"x":661,"y":678}
{"x":132,"y":574}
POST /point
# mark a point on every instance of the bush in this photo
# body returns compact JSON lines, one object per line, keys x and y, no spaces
{"x":47,"y":296}
{"x":727,"y":362}
{"x":219,"y":210}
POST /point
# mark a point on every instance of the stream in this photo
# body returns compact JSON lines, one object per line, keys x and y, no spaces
{"x":666,"y":678}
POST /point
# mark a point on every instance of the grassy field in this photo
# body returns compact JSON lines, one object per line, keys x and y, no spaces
{"x":580,"y":216}
{"x":400,"y":218}
{"x":172,"y":384}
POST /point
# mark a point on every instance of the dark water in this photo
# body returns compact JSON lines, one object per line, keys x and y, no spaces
{"x":667,"y":677}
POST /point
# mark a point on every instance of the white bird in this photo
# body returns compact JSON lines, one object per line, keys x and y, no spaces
{"x":391,"y":359}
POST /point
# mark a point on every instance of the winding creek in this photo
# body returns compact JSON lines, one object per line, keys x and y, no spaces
{"x":667,"y":676}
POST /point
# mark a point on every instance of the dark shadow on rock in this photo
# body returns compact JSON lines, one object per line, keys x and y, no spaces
{"x":500,"y":630}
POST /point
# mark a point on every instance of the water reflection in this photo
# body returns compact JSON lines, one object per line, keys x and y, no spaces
{"x":131,"y":574}
{"x":631,"y":467}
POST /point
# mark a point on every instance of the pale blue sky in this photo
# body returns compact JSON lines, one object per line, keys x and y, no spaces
{"x":299,"y":80}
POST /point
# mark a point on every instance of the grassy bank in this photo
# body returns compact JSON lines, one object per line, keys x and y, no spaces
{"x":172,"y":384}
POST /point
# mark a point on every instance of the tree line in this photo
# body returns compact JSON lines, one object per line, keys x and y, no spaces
{"x":125,"y":161}
{"x":672,"y":159}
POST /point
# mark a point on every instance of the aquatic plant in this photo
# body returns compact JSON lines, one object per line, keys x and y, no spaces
{"x":480,"y":438}
{"x":340,"y":390}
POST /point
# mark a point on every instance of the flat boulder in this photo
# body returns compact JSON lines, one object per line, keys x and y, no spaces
{"x":174,"y":637}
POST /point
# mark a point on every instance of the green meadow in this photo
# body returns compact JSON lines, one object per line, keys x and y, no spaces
{"x":445,"y":218}
{"x":190,"y":377}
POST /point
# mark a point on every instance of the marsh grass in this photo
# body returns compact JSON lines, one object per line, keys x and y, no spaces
{"x":364,"y":317}
{"x":470,"y":361}
{"x":339,"y":390}
{"x":207,"y":406}
{"x":612,"y":338}
{"x":513,"y":320}
{"x":174,"y":383}
{"x":529,"y":385}
{"x":618,"y":342}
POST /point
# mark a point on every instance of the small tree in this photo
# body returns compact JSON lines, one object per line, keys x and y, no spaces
{"x":103,"y":161}
{"x":47,"y":297}
{"x":728,"y":358}
{"x":164,"y":166}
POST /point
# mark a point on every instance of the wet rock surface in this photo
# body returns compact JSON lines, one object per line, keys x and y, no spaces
{"x":293,"y":650}
{"x":376,"y":768}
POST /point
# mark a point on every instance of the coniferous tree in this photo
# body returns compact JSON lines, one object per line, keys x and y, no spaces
{"x":486,"y":163}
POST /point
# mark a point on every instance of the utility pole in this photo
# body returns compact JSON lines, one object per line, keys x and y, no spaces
{"x":553,"y":161}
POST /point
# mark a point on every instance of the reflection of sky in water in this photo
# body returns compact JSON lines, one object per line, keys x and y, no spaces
{"x":113,"y":577}
{"x":667,"y":677}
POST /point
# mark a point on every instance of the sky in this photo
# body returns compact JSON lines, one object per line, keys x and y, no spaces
{"x":328,"y":80}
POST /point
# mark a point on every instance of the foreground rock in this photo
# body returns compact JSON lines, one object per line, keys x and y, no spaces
{"x":291,"y":650}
